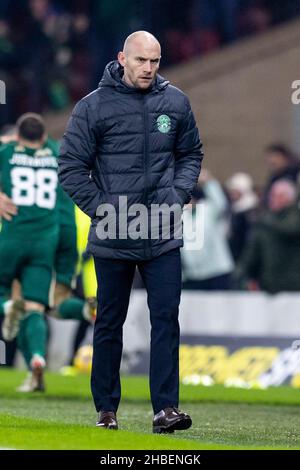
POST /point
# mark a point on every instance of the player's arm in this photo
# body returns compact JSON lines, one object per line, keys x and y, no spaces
{"x":7,"y":208}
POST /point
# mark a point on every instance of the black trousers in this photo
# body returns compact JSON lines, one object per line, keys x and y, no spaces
{"x":162,"y":279}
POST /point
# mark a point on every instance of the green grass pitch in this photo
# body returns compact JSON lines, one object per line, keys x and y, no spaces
{"x":223,"y":418}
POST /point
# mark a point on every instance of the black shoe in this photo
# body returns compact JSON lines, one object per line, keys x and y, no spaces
{"x":108,"y":420}
{"x":171,"y":419}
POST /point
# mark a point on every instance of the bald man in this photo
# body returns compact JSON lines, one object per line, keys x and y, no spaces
{"x":132,"y":149}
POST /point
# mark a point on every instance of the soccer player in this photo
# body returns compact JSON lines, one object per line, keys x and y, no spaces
{"x":17,"y":211}
{"x":66,"y":253}
{"x":66,"y":306}
{"x":28,"y":241}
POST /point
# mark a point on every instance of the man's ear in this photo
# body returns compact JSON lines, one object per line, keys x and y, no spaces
{"x":121,"y":58}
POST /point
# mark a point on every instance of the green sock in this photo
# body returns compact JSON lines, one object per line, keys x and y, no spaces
{"x":22,"y":343}
{"x":71,"y":309}
{"x":36,"y":333}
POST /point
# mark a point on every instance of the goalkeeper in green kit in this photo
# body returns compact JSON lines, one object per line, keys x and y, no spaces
{"x":29,"y":242}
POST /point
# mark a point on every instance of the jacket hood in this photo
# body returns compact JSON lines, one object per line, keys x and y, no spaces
{"x":112,"y":77}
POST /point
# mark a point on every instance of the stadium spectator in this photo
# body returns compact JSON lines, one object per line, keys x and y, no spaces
{"x":244,"y":206}
{"x":282,"y":10}
{"x":272,"y":256}
{"x":254,"y":17}
{"x":111,"y":21}
{"x":282,"y":164}
{"x":210,"y":266}
{"x":8,"y":61}
{"x":217,"y":15}
{"x":53,"y":51}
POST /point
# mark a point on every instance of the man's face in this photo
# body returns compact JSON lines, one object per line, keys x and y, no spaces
{"x":140,"y":64}
{"x":276,"y":161}
{"x":281,"y":196}
{"x":234,"y":195}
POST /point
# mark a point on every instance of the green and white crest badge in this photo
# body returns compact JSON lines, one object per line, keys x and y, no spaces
{"x":163,"y":123}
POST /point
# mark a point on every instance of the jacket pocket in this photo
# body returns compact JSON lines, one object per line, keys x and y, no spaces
{"x":177,"y":197}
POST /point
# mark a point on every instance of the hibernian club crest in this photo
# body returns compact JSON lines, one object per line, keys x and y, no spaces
{"x":163,"y":123}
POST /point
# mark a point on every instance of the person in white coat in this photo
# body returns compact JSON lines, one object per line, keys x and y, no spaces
{"x":210,"y":265}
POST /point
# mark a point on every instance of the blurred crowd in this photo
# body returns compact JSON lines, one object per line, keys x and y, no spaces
{"x":251,"y":236}
{"x":54,"y":51}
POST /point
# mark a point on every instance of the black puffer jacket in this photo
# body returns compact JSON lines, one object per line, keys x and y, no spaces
{"x":140,"y":144}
